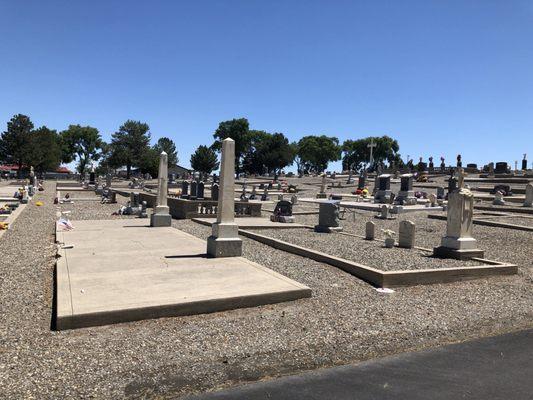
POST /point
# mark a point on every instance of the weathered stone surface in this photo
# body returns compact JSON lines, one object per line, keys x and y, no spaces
{"x":406,"y":236}
{"x":370,"y":230}
{"x":224,"y":240}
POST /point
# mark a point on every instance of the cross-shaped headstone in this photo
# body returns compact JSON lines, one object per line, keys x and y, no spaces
{"x":371,"y":146}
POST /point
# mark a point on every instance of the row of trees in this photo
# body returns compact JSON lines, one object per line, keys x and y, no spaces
{"x":45,"y":149}
{"x":256,"y":151}
{"x":260,"y":151}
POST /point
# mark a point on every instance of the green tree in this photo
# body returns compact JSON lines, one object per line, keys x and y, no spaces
{"x":204,"y":160}
{"x":357,"y":152}
{"x":130,"y":144}
{"x":168,"y":146}
{"x":81,"y":143}
{"x":239,"y":131}
{"x":315,"y":152}
{"x":46,"y":150}
{"x":270,"y":152}
{"x":15,"y":146}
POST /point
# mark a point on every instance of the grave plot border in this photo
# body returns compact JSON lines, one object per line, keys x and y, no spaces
{"x":389,"y":279}
{"x":490,"y":223}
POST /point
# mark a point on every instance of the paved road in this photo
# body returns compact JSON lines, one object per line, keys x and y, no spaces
{"x":493,"y":368}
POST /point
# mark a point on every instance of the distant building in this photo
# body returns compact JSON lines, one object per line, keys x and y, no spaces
{"x":179,"y":171}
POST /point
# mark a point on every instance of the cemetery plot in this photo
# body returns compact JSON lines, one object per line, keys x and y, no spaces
{"x":123,"y":270}
{"x":446,"y":272}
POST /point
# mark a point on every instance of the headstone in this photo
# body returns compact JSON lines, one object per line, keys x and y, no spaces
{"x":172,"y":178}
{"x":442,"y":164}
{"x":498,"y":199}
{"x":294,"y":199}
{"x":92,"y":176}
{"x":350,"y":177}
{"x":108,"y":179}
{"x":501,"y":168}
{"x":200,"y":190}
{"x":384,"y":212}
{"x":322,"y":194}
{"x":431,"y":165}
{"x":134,"y":199}
{"x":440,"y":193}
{"x":383,"y":192}
{"x":406,"y":235}
{"x":328,"y":217}
{"x":161,"y":215}
{"x":224,"y":240}
{"x":524,"y":163}
{"x":459,"y":161}
{"x":458,"y":242}
{"x":406,"y":195}
{"x":253,"y":195}
{"x":432,"y":200}
{"x":264,"y":196}
{"x":184,"y":189}
{"x":194,"y":189}
{"x":214,"y":191}
{"x":491,"y":169}
{"x":280,"y":197}
{"x":370,"y":230}
{"x":282,"y":212}
{"x":528,"y":202}
{"x":362,"y":182}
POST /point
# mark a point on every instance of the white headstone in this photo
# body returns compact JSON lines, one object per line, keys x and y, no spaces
{"x":370,"y":230}
{"x":406,"y":236}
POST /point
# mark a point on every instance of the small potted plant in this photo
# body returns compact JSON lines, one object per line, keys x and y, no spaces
{"x":389,"y":238}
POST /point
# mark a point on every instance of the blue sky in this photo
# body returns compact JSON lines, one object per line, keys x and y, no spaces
{"x":442,"y":77}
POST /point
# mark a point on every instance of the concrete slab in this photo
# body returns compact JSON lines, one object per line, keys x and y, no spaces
{"x":253,"y":223}
{"x":123,"y":270}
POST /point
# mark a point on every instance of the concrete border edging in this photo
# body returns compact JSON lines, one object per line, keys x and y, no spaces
{"x":491,"y":223}
{"x":390,"y":278}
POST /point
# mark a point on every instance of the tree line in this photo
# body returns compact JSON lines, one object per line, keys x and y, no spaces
{"x":256,"y":151}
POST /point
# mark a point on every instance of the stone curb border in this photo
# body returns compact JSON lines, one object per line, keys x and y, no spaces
{"x":520,"y":210}
{"x":491,"y":223}
{"x":13,"y":216}
{"x":389,"y":279}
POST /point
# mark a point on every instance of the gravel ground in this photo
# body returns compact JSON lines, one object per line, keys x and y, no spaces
{"x":346,"y":320}
{"x":370,"y":253}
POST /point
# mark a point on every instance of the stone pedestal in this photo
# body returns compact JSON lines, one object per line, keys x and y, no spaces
{"x":224,"y":240}
{"x":528,"y":201}
{"x":458,"y":242}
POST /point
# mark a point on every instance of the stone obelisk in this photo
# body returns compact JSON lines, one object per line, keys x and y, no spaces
{"x":161,"y":215}
{"x":224,"y":240}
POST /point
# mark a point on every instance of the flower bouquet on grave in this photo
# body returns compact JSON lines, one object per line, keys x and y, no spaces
{"x":389,"y":237}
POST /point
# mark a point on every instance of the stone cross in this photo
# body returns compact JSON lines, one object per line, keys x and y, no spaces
{"x":371,"y":146}
{"x":161,"y":215}
{"x":224,"y":240}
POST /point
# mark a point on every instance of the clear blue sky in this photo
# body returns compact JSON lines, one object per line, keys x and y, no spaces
{"x":442,"y":77}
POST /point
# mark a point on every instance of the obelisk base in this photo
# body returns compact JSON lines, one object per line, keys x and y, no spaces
{"x":224,"y":242}
{"x":160,"y":217}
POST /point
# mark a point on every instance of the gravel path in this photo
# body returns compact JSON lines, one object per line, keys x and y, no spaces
{"x":346,"y":320}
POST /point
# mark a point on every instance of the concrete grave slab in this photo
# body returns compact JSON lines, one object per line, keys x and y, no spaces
{"x":123,"y":270}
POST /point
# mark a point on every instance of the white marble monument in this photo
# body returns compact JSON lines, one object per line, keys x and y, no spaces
{"x":224,"y":240}
{"x":458,"y":242}
{"x":161,"y":215}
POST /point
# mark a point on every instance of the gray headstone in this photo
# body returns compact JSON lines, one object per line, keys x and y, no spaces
{"x":200,"y":190}
{"x":370,"y":230}
{"x":214,"y":191}
{"x":528,"y":202}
